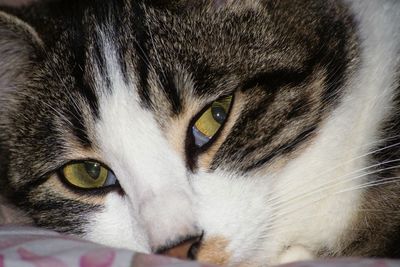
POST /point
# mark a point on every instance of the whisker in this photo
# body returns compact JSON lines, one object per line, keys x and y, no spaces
{"x":389,"y":180}
{"x":337,"y":181}
{"x":300,"y":220}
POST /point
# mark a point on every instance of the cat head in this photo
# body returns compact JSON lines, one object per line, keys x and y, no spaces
{"x":141,"y":124}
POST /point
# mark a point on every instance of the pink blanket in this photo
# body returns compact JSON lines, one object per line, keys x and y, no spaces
{"x":30,"y":247}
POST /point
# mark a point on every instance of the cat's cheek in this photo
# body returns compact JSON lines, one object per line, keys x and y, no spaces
{"x":116,"y":225}
{"x":233,"y":214}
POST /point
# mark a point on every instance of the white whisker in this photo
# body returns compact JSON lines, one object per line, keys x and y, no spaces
{"x":337,"y":181}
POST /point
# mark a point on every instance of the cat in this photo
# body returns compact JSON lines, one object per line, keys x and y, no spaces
{"x":239,"y":133}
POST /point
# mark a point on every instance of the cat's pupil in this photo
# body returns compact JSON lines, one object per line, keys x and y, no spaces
{"x":93,"y":169}
{"x":218,"y":114}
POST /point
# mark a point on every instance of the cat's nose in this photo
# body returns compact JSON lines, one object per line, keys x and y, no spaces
{"x":185,"y":249}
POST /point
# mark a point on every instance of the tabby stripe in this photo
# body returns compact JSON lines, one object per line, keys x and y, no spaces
{"x":121,"y":16}
{"x":283,"y":149}
{"x":62,"y":215}
{"x":204,"y":76}
{"x":84,"y":90}
{"x":171,"y":92}
{"x":79,"y":128}
{"x":277,"y":79}
{"x":299,"y":108}
{"x":4,"y":163}
{"x":82,"y":82}
{"x":140,"y":45}
{"x":100,"y":62}
{"x":76,"y":117}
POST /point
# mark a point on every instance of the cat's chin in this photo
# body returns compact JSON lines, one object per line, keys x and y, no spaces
{"x":295,"y":253}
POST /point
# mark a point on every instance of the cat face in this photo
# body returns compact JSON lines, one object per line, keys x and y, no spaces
{"x":218,"y":122}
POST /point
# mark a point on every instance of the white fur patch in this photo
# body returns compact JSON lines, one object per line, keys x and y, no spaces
{"x":157,"y":207}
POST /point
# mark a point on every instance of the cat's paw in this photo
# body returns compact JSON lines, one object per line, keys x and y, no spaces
{"x":295,"y":253}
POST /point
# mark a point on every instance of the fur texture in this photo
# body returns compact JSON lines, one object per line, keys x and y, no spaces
{"x":304,"y":167}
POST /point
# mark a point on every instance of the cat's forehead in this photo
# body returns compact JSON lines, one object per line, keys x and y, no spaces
{"x":218,"y":48}
{"x":181,"y":58}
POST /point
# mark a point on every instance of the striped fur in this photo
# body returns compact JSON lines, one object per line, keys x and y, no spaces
{"x":306,"y":165}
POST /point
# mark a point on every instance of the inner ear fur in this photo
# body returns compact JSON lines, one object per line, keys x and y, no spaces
{"x":20,"y":46}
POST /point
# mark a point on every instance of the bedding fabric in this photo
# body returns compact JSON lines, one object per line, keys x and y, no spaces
{"x":32,"y":247}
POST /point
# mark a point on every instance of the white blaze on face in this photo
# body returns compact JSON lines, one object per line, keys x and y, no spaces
{"x":157,"y":205}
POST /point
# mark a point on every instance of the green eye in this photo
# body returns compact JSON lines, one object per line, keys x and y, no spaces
{"x":88,"y":175}
{"x":209,"y":123}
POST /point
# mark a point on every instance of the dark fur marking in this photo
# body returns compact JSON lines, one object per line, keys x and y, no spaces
{"x":299,"y":108}
{"x":283,"y":149}
{"x":276,"y":79}
{"x":81,"y":85}
{"x":171,"y":92}
{"x":141,"y":48}
{"x":62,"y":215}
{"x":79,"y":129}
{"x":100,"y":61}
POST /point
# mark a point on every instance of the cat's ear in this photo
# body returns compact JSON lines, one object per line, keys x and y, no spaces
{"x":20,"y":46}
